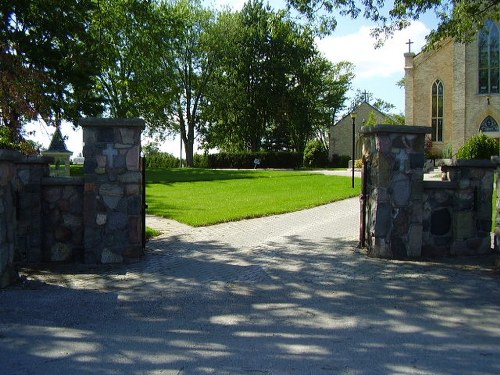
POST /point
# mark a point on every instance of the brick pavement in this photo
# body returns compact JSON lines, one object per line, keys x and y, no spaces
{"x":287,"y":294}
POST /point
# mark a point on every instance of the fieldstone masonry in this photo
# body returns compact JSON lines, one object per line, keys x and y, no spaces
{"x":94,"y":219}
{"x":458,"y":211}
{"x":7,"y":216}
{"x":394,"y":158}
{"x":113,"y":190}
{"x":407,"y":217}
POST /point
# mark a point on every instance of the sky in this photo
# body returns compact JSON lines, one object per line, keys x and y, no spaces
{"x":376,"y":70}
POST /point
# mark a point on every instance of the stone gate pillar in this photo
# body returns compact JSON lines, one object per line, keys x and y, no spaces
{"x":394,"y":157}
{"x":113,"y":190}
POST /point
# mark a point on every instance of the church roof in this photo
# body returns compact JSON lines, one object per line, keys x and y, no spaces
{"x":57,"y":143}
{"x":357,"y":108}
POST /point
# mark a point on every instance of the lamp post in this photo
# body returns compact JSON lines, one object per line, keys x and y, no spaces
{"x":353,"y":116}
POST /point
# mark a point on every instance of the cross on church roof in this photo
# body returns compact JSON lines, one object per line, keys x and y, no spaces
{"x":365,"y":96}
{"x":409,"y":42}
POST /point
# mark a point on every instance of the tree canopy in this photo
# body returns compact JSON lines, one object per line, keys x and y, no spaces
{"x":460,"y":19}
{"x":272,"y":89}
{"x":48,"y":62}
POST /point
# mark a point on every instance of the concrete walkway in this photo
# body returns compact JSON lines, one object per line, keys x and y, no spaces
{"x":286,"y":294}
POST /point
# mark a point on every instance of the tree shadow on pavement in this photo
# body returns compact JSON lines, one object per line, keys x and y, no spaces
{"x":293,"y":307}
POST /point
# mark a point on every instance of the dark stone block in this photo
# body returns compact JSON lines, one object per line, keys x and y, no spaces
{"x":105,"y":135}
{"x":417,"y":160}
{"x":398,"y":142}
{"x":133,"y":252}
{"x":483,"y":225}
{"x":401,"y":223}
{"x":426,"y":225}
{"x":90,"y":257}
{"x":134,"y":205}
{"x":383,"y":223}
{"x":62,"y":233}
{"x":89,"y":166}
{"x":120,"y":162}
{"x":444,"y":241}
{"x":474,"y":243}
{"x":134,"y":230}
{"x":435,"y":251}
{"x":116,"y":242}
{"x":89,"y":208}
{"x":116,"y":221}
{"x":398,"y":247}
{"x":440,"y":222}
{"x":63,"y":205}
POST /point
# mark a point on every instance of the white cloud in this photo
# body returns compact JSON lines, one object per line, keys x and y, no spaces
{"x":369,"y":62}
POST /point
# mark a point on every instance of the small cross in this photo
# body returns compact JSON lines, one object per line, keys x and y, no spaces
{"x":109,"y":152}
{"x":402,"y":157}
{"x":365,"y":95}
{"x":409,"y":42}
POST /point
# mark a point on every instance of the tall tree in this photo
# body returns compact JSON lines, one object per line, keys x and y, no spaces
{"x":269,"y":88}
{"x":460,"y":19}
{"x":48,"y":62}
{"x":192,"y":70}
{"x":131,"y":35}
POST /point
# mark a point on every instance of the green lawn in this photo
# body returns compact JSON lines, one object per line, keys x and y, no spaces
{"x":200,"y":197}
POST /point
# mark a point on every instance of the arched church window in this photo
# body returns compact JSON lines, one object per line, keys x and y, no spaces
{"x":489,"y":125}
{"x":489,"y":59}
{"x":437,"y":111}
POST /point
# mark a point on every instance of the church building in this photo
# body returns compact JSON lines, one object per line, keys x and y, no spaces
{"x":455,"y":89}
{"x":340,"y":136}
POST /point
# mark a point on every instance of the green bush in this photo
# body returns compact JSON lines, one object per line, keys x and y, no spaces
{"x":340,"y":161}
{"x":200,"y":161}
{"x":315,"y":154}
{"x":162,"y":160}
{"x":244,"y":160}
{"x":479,"y":146}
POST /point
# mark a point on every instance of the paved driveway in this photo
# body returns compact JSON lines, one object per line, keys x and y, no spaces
{"x":286,"y":294}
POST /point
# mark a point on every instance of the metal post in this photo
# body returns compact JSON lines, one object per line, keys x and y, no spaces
{"x":353,"y":116}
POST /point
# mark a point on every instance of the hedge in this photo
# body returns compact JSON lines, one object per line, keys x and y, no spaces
{"x":245,"y":160}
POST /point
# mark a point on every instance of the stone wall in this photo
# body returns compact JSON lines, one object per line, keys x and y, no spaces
{"x":458,"y":212}
{"x":30,"y":173}
{"x":7,"y":216}
{"x":409,"y":218}
{"x":42,"y":218}
{"x":62,"y":206}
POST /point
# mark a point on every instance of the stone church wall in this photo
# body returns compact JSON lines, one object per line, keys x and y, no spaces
{"x":456,"y":65}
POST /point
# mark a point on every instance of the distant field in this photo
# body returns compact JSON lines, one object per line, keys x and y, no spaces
{"x":201,"y":197}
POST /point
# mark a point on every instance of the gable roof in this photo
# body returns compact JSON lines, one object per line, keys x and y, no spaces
{"x":358,"y":107}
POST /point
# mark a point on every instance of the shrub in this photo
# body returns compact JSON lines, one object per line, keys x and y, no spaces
{"x":200,"y":161}
{"x":162,"y":160}
{"x":448,"y":152}
{"x":479,"y":146}
{"x":340,"y":161}
{"x":244,"y":160}
{"x":315,"y":154}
